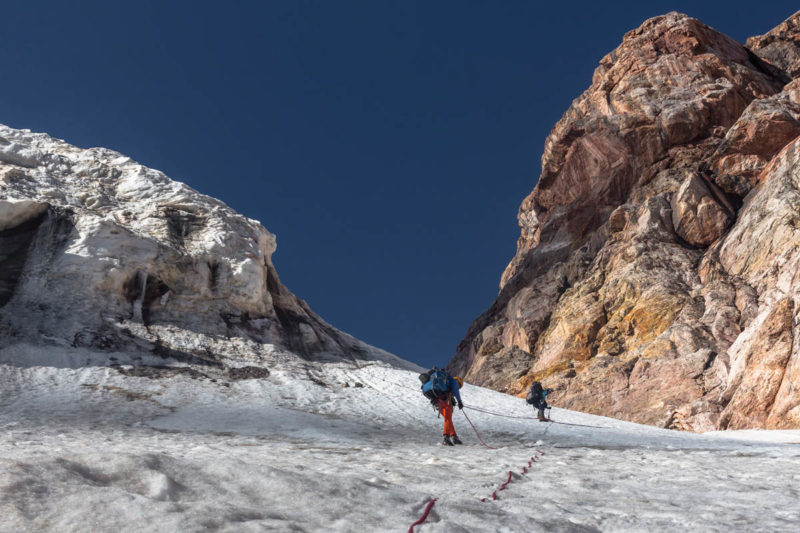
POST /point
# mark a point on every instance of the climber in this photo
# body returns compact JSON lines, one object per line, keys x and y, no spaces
{"x":537,"y":397}
{"x":442,"y":390}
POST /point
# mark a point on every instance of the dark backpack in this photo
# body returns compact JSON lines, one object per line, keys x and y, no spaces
{"x":535,"y":394}
{"x":437,"y":383}
{"x":426,"y":376}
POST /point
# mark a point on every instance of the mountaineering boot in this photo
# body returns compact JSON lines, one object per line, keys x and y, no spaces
{"x":456,"y":440}
{"x":446,"y":441}
{"x":543,"y":419}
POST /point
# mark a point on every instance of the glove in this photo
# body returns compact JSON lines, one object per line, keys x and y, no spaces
{"x":460,"y":405}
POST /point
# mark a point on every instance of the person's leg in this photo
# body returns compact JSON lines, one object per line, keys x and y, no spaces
{"x":541,"y":412}
{"x":447,"y":412}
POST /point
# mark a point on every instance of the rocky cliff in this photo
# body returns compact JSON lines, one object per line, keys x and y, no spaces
{"x":656,"y":276}
{"x":111,"y":261}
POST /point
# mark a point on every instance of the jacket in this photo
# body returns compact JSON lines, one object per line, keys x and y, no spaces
{"x":454,"y":387}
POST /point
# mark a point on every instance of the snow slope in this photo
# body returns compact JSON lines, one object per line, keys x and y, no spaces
{"x":341,"y":447}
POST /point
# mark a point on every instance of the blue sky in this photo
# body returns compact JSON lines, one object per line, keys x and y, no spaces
{"x":387,"y":144}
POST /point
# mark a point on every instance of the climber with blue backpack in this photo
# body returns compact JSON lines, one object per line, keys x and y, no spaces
{"x":442,"y":390}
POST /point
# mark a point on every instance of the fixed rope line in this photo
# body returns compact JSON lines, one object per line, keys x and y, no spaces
{"x":476,"y":432}
{"x":424,"y":515}
{"x":508,"y":480}
{"x":493,"y":413}
{"x":510,"y":477}
{"x":502,"y":487}
{"x":579,"y":425}
{"x":480,"y":410}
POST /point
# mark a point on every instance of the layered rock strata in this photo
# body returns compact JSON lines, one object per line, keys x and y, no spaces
{"x":105,"y":256}
{"x":655,"y":277}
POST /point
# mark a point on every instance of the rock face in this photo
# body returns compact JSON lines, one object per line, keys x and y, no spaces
{"x":656,"y":272}
{"x":698,"y":215}
{"x":103,"y":255}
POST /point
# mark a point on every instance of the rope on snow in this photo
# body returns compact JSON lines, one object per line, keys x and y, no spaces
{"x":510,"y":474}
{"x":424,"y":515}
{"x":476,"y":432}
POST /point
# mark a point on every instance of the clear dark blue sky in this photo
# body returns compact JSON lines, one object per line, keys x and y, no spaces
{"x":387,"y":144}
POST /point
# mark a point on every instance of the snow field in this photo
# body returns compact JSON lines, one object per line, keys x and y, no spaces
{"x":339,"y":448}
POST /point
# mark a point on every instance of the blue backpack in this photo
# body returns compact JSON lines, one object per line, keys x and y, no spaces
{"x":438,"y":383}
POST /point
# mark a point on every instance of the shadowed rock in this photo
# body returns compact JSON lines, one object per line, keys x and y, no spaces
{"x":780,"y":47}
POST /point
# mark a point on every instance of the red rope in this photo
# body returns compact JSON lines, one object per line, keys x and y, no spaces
{"x":510,"y":473}
{"x":476,"y":432}
{"x":424,"y":515}
{"x":504,"y":485}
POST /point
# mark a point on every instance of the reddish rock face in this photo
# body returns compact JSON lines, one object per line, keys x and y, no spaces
{"x":765,"y":127}
{"x":656,"y":262}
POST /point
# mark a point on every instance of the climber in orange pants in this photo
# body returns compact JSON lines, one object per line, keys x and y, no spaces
{"x":445,"y":404}
{"x":442,"y":390}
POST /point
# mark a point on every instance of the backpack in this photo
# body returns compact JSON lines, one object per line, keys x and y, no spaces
{"x":437,"y":383}
{"x":535,"y":394}
{"x":426,"y":376}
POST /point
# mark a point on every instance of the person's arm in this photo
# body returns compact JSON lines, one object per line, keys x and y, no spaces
{"x":454,"y":389}
{"x":545,"y":392}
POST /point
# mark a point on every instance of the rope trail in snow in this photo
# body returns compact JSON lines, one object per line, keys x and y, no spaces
{"x":476,"y":432}
{"x":510,"y":477}
{"x":424,"y":515}
{"x":502,"y":487}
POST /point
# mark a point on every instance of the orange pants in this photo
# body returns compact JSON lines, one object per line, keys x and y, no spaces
{"x":446,"y":410}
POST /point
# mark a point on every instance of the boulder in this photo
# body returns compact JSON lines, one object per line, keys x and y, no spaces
{"x":697,"y":216}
